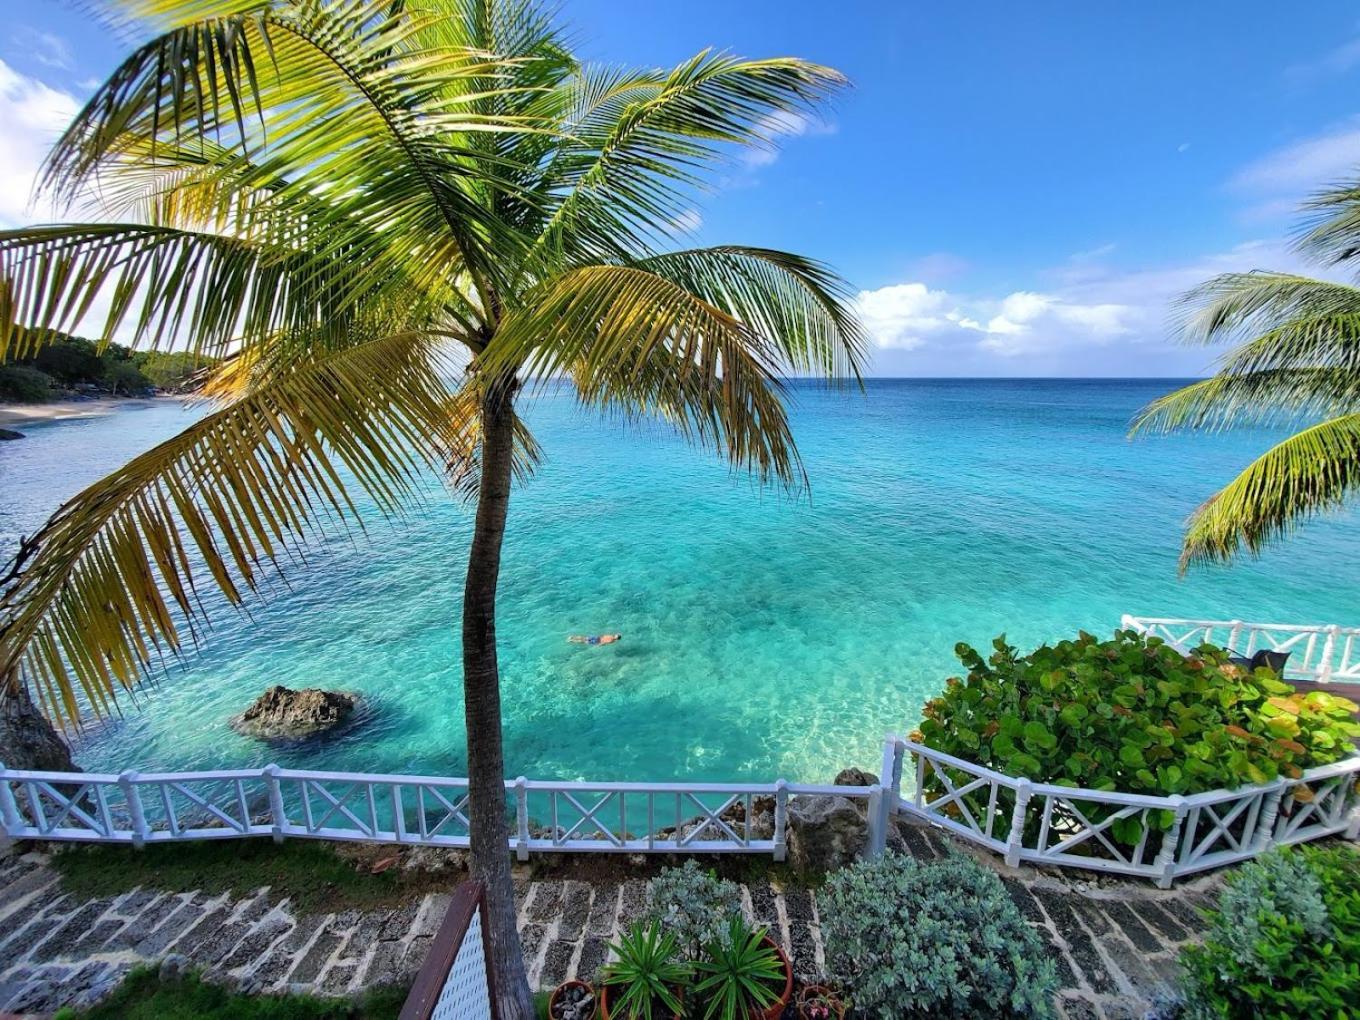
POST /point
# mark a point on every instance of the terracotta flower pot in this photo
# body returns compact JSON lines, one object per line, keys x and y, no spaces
{"x":811,"y":992}
{"x":560,"y":989}
{"x":603,"y":1000}
{"x":777,"y":1010}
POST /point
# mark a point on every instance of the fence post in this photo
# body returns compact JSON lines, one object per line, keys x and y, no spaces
{"x":9,"y":810}
{"x":522,"y":819}
{"x":892,"y":771}
{"x":276,"y":812}
{"x":878,"y":821}
{"x":781,"y":812}
{"x":1328,"y":650}
{"x":1234,"y":634}
{"x":1166,"y":856}
{"x":1264,"y":836}
{"x":133,"y":796}
{"x":1016,"y":837}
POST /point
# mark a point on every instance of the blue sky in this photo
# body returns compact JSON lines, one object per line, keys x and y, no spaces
{"x":1015,"y":189}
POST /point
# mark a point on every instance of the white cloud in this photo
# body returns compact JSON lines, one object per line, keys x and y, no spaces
{"x":32,"y":116}
{"x":901,"y":315}
{"x":1338,"y":60}
{"x":774,"y":127}
{"x":46,"y":48}
{"x":688,"y":221}
{"x":1276,"y":183}
{"x":1183,"y":147}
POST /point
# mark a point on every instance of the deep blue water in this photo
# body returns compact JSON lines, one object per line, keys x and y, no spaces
{"x":763,"y":635}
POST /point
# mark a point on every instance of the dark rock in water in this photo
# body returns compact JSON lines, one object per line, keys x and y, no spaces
{"x":27,"y":740}
{"x":10,"y":434}
{"x":281,"y":712}
{"x":854,"y":777}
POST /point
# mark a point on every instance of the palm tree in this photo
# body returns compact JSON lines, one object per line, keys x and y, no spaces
{"x":1296,"y":362}
{"x":353,"y":202}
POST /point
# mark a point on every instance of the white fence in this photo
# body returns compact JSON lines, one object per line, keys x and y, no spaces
{"x":418,"y":810}
{"x":1324,"y":654}
{"x":1160,"y":838}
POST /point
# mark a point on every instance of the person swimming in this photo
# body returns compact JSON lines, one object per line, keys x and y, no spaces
{"x":594,"y":639}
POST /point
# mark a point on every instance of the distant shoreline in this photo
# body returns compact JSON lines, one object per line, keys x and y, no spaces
{"x":14,"y":415}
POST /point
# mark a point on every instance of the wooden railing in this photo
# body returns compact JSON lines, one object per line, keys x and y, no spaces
{"x":457,"y":980}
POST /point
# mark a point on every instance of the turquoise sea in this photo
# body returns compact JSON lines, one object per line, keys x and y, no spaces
{"x":763,"y":636}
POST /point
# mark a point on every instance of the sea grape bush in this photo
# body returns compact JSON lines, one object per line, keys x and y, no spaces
{"x":1132,"y":714}
{"x":912,"y":939}
{"x":694,"y":904}
{"x":1283,"y":941}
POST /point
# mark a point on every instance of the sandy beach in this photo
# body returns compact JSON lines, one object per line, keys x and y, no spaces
{"x":14,"y":416}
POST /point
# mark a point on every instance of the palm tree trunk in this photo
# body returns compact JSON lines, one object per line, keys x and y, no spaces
{"x":482,"y":708}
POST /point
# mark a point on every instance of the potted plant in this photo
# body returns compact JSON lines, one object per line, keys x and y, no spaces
{"x":572,"y":1000}
{"x":817,"y":1002}
{"x":743,"y":976}
{"x":646,"y":980}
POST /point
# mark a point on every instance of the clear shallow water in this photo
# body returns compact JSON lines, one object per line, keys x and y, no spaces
{"x":762,"y":636}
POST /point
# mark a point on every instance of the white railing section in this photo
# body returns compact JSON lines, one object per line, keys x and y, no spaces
{"x":1161,"y":838}
{"x":420,"y":810}
{"x":1324,"y":654}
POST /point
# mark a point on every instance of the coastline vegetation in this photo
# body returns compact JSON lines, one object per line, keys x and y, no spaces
{"x":69,"y":366}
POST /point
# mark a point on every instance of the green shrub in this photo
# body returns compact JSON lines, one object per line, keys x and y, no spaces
{"x":24,"y":384}
{"x":173,"y":370}
{"x":934,"y":939}
{"x":122,"y":377}
{"x":696,"y":905}
{"x":1284,"y":941}
{"x":1133,"y":714}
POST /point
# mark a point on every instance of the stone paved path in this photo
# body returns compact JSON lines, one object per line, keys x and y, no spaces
{"x":1115,"y":945}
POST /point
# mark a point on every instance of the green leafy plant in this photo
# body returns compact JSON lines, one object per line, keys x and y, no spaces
{"x":648,"y":974}
{"x":1283,"y":941}
{"x":912,"y":939}
{"x":693,"y":903}
{"x":739,"y":974}
{"x":1134,"y":714}
{"x":24,"y":384}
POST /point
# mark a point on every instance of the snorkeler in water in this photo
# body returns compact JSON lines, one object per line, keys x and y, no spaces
{"x":594,"y":639}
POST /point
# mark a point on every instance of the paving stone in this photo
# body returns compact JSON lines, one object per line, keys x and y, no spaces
{"x":798,"y":904}
{"x":1028,"y":905}
{"x":802,"y":949}
{"x":1190,"y":919}
{"x":632,"y":901}
{"x":97,"y":936}
{"x":1134,"y":967}
{"x":156,"y":943}
{"x":398,"y":923}
{"x":337,"y":980}
{"x":385,"y":967}
{"x":208,"y":924}
{"x":575,"y":910}
{"x":63,"y":939}
{"x":556,"y":962}
{"x":1098,"y":923}
{"x":155,"y":911}
{"x":40,"y":884}
{"x":1134,"y":929}
{"x":763,"y":906}
{"x":1078,"y":1009}
{"x":917,"y":844}
{"x":316,"y":958}
{"x":1161,"y":922}
{"x":253,"y":946}
{"x":1122,"y":1009}
{"x":547,"y":901}
{"x":217,"y":945}
{"x":131,"y":904}
{"x":531,"y":936}
{"x":593,"y":953}
{"x":432,"y":914}
{"x":416,"y":951}
{"x":603,"y":909}
{"x":1080,"y":946}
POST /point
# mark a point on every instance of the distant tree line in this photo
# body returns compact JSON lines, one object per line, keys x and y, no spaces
{"x":73,"y":365}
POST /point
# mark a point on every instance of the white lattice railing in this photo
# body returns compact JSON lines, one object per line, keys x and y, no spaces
{"x":1161,"y":838}
{"x":1325,"y":654}
{"x":455,"y":980}
{"x":549,"y":816}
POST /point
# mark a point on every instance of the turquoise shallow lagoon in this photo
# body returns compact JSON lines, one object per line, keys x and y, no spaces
{"x":763,"y":636}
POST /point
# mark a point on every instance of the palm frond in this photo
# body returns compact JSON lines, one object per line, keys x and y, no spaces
{"x":1307,"y":474}
{"x":799,"y":304}
{"x":464,"y":467}
{"x":1268,"y":397}
{"x":1331,"y":226}
{"x":639,"y":344}
{"x":1244,"y":305}
{"x":113,"y":580}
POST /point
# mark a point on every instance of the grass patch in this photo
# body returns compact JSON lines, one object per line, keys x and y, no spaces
{"x":142,"y":996}
{"x":315,"y":876}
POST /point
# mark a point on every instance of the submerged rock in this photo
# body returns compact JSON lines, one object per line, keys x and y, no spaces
{"x":10,"y":434}
{"x":281,"y":712}
{"x":27,"y":740}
